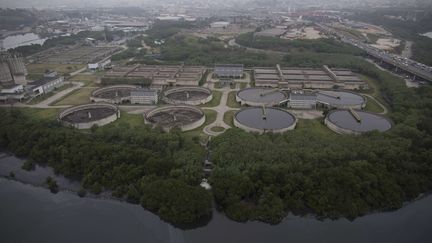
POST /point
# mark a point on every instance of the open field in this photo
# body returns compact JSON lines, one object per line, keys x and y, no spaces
{"x":40,"y":114}
{"x":88,"y":79}
{"x":60,"y":68}
{"x":314,"y":125}
{"x":78,"y":97}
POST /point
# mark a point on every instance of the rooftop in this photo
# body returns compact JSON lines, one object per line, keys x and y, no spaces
{"x":143,"y":92}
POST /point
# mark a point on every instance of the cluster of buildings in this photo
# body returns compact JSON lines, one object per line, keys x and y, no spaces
{"x":228,"y":71}
{"x":299,"y":78}
{"x":119,"y":94}
{"x":160,"y":76}
{"x":13,"y":83}
{"x":12,"y":76}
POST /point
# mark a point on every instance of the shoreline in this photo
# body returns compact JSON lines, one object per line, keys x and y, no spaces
{"x":106,"y":195}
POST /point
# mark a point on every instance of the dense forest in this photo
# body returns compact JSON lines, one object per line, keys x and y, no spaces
{"x":277,"y":44}
{"x":302,"y":171}
{"x":160,"y":171}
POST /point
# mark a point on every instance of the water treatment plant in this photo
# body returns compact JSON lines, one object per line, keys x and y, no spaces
{"x":356,"y":122}
{"x":115,"y":94}
{"x":341,"y":99}
{"x":265,"y":119}
{"x":88,"y":115}
{"x":184,"y":117}
{"x":188,"y":95}
{"x":260,"y":96}
{"x":120,"y":94}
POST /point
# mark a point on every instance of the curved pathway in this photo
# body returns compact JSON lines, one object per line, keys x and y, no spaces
{"x":385,"y":110}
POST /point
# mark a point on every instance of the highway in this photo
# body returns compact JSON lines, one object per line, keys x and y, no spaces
{"x":408,"y":65}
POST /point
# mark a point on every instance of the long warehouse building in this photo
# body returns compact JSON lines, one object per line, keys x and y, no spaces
{"x":299,"y":78}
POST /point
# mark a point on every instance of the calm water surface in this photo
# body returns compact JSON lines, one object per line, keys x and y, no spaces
{"x":33,"y":214}
{"x":14,"y":41}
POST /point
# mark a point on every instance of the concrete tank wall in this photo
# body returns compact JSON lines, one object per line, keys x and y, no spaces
{"x":337,"y":129}
{"x":261,"y":131}
{"x":188,"y":102}
{"x":88,"y":125}
{"x":116,"y":100}
{"x":183,"y":128}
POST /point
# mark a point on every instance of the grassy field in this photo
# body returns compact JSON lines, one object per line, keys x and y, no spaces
{"x":77,"y":97}
{"x":60,"y":68}
{"x":215,"y":101}
{"x":46,"y":96}
{"x":210,"y":118}
{"x":132,"y":120}
{"x":87,"y":79}
{"x":243,"y":85}
{"x":372,"y":106}
{"x":217,"y":129}
{"x":231,"y":102}
{"x":40,"y":114}
{"x":228,"y":118}
{"x":315,"y":125}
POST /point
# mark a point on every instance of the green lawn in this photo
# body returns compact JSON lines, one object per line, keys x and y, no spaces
{"x":231,"y":102}
{"x":60,"y":68}
{"x":215,"y":101}
{"x":77,"y":97}
{"x":217,"y":129}
{"x":315,"y":125}
{"x":372,"y":106}
{"x":229,"y":118}
{"x":87,"y":79}
{"x":41,"y":114}
{"x":133,"y":120}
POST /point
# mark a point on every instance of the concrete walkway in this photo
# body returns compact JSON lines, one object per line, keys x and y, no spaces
{"x":220,"y":110}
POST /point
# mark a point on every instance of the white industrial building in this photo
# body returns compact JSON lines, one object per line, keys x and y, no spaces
{"x":99,"y":65}
{"x":12,"y":92}
{"x":220,"y":25}
{"x":228,"y":70}
{"x":48,"y":83}
{"x":299,"y":99}
{"x":144,"y":97}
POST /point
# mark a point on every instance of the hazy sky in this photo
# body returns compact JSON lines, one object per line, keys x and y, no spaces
{"x":110,"y":3}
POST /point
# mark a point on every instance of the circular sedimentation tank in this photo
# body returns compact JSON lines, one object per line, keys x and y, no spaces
{"x":356,"y":122}
{"x":88,"y":115}
{"x":188,"y":95}
{"x":341,"y":99}
{"x":184,"y":117}
{"x":115,"y":94}
{"x":260,"y":96}
{"x":265,"y":119}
